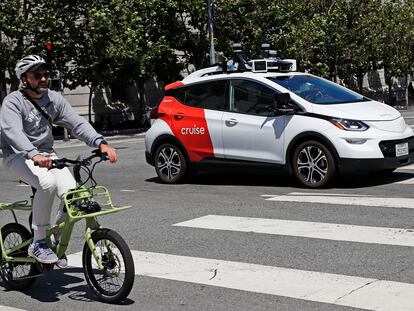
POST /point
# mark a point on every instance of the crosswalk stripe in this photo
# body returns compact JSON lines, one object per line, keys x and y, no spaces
{"x":408,"y":167}
{"x":331,"y":198}
{"x":352,"y":291}
{"x":409,"y":181}
{"x":316,"y":230}
{"x":5,"y":308}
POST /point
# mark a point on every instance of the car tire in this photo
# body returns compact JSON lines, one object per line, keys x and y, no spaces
{"x":313,"y":164}
{"x":170,"y":164}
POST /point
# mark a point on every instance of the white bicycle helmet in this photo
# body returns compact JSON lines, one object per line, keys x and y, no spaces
{"x":28,"y":62}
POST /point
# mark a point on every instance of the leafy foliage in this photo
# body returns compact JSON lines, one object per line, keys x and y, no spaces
{"x":125,"y":42}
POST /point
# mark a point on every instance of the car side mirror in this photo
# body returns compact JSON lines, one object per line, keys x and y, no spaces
{"x":283,"y":104}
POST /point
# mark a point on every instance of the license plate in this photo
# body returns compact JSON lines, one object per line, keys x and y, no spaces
{"x":401,"y":149}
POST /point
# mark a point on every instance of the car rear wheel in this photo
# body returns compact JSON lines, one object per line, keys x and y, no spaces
{"x":313,"y":164}
{"x":170,"y":164}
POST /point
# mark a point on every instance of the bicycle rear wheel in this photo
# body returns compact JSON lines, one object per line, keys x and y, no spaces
{"x":114,"y":283}
{"x":16,"y":275}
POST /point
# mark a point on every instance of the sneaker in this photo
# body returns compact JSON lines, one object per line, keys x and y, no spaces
{"x":41,"y":252}
{"x":62,"y":262}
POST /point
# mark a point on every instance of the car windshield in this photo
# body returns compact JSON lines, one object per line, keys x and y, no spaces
{"x":317,"y":90}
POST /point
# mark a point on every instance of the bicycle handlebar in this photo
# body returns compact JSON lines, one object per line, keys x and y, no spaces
{"x":64,"y":162}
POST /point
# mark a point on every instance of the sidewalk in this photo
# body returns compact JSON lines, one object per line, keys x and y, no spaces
{"x":109,"y":136}
{"x":404,"y":108}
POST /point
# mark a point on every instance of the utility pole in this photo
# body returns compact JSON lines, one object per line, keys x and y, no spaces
{"x":62,"y":90}
{"x":210,"y":34}
{"x":2,"y":78}
{"x":59,"y":60}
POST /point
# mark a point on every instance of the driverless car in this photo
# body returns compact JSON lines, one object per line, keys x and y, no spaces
{"x":263,"y":114}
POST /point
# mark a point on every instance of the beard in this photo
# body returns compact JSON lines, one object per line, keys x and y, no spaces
{"x":42,"y":86}
{"x":42,"y":89}
{"x":39,"y":89}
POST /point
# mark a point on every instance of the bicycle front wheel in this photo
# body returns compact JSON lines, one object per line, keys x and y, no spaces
{"x":114,"y":282}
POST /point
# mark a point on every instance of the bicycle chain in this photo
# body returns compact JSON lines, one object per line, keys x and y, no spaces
{"x":26,"y":277}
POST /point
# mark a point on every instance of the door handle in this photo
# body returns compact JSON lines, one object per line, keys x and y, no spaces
{"x":231,"y":122}
{"x":179,"y":116}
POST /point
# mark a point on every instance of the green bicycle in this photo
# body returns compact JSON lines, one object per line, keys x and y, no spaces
{"x":106,"y":258}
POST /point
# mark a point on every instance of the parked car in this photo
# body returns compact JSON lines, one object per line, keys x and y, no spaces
{"x":264,"y":114}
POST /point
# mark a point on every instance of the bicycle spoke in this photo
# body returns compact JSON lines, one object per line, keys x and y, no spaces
{"x":111,"y":278}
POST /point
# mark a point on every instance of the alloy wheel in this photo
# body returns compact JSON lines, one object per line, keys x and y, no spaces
{"x":169,"y":162}
{"x":312,"y":164}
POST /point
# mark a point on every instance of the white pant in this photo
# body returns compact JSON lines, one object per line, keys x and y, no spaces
{"x":48,"y":184}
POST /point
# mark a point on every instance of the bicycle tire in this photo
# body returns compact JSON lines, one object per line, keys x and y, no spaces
{"x":8,"y":270}
{"x":112,"y":261}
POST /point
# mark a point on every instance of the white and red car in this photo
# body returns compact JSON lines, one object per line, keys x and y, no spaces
{"x":307,"y":125}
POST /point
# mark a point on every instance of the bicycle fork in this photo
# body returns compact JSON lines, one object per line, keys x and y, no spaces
{"x":92,"y":223}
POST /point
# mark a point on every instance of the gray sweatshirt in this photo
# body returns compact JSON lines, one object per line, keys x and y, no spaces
{"x":23,"y":129}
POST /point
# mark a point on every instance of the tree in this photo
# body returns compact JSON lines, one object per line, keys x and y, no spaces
{"x":361,"y":40}
{"x":101,"y":43}
{"x":397,"y":41}
{"x":193,"y":38}
{"x":15,"y":39}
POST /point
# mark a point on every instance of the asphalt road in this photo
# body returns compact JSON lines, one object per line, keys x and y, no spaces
{"x":200,"y":266}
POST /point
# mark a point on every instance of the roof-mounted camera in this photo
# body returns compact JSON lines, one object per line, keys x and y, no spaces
{"x":239,"y":58}
{"x":269,"y":61}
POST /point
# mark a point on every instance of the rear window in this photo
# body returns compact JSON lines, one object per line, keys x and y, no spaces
{"x":317,"y":90}
{"x":207,"y":95}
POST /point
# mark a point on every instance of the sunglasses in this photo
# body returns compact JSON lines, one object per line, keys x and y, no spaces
{"x":40,"y":75}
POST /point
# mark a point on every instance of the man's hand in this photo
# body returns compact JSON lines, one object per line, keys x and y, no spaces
{"x":42,"y":161}
{"x":109,"y":151}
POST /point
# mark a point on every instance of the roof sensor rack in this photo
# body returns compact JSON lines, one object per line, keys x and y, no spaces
{"x":269,"y":61}
{"x":239,"y":62}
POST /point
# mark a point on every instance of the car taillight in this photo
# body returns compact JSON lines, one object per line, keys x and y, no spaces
{"x":155,"y":114}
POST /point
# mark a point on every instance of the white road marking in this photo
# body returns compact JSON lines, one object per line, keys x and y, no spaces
{"x":332,"y":198}
{"x":5,"y":308}
{"x":128,"y":140}
{"x":315,"y":230}
{"x":351,"y":291}
{"x":320,"y":193}
{"x":127,"y":190}
{"x":409,"y":181}
{"x":408,"y":167}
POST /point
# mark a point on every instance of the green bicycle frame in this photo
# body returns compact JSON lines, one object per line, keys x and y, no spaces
{"x":98,"y":194}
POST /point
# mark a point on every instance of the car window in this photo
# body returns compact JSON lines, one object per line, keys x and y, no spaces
{"x":317,"y":90}
{"x":208,"y":95}
{"x":249,"y":97}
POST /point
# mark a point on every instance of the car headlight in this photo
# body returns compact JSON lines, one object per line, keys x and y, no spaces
{"x":349,"y":125}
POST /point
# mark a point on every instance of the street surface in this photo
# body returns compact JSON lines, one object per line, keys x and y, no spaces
{"x":241,"y":242}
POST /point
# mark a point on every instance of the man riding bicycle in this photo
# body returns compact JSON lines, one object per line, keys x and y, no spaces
{"x":26,"y":139}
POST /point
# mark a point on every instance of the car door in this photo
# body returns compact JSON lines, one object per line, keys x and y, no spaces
{"x":251,"y":131}
{"x":196,"y":119}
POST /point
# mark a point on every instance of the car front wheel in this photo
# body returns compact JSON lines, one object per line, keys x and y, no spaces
{"x":170,"y":164}
{"x":313,"y":164}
